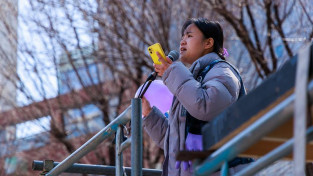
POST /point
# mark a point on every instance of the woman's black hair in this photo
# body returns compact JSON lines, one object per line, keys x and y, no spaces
{"x":209,"y":29}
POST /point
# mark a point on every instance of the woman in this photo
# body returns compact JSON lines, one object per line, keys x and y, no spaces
{"x":201,"y":44}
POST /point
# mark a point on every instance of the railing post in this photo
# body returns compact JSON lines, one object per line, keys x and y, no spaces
{"x":136,"y":135}
{"x":224,"y":169}
{"x":118,"y":155}
{"x":301,"y":110}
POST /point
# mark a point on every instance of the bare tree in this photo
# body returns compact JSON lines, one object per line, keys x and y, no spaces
{"x":265,"y":26}
{"x":75,"y":53}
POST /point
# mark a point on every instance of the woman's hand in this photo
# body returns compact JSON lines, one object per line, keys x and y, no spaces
{"x":146,"y":107}
{"x":160,"y":69}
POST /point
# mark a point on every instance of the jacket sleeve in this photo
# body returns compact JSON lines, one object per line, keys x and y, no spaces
{"x":156,"y":126}
{"x":220,"y":88}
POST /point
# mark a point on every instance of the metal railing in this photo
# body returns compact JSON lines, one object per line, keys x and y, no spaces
{"x":47,"y":165}
{"x":269,"y":121}
{"x":132,"y":113}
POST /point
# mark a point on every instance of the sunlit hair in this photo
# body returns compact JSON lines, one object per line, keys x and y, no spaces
{"x":209,"y":29}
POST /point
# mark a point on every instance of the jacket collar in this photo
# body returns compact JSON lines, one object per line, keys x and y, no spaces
{"x":202,"y":62}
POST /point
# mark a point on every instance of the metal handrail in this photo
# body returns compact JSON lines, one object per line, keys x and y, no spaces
{"x":92,"y":143}
{"x":268,"y":122}
{"x":275,"y":117}
{"x":276,"y":154}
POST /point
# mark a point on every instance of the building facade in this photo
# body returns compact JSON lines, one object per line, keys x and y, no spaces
{"x":8,"y":53}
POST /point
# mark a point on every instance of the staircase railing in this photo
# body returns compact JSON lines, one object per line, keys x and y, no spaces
{"x":295,"y":106}
{"x":133,"y":113}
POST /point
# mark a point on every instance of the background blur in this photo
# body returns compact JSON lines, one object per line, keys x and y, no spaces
{"x":69,"y":67}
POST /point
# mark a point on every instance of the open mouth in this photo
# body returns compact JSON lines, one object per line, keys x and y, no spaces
{"x":183,"y":49}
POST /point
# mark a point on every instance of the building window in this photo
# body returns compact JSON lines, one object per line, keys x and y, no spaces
{"x":32,"y":127}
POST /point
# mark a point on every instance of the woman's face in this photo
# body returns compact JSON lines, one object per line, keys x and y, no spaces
{"x":193,"y":45}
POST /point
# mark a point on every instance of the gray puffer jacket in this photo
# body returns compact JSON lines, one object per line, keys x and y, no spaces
{"x":219,"y":89}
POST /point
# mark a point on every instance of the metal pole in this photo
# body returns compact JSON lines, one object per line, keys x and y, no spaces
{"x":92,"y":143}
{"x":136,"y":133}
{"x":300,"y":111}
{"x":271,"y":120}
{"x":95,"y":169}
{"x":119,"y":156}
{"x":276,"y":154}
{"x":125,"y":145}
{"x":225,"y":170}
